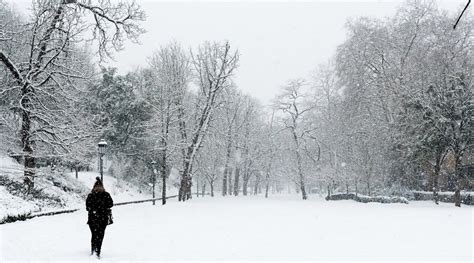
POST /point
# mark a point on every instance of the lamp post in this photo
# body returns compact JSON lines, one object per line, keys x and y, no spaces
{"x":153,"y":163}
{"x":102,"y":146}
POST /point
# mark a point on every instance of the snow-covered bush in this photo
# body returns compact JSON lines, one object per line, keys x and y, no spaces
{"x":368,"y":199}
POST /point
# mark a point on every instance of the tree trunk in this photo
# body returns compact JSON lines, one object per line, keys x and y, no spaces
{"x":302,"y":185}
{"x":224,"y":182}
{"x":163,"y":191}
{"x":255,"y":187}
{"x":184,"y":192}
{"x":267,"y":185}
{"x":76,"y":169}
{"x":437,"y":169}
{"x":203,"y":189}
{"x":188,"y":154}
{"x":368,"y":187}
{"x":229,"y":177}
{"x":267,"y":178}
{"x":163,"y":163}
{"x":197,"y":187}
{"x":182,"y":187}
{"x":457,"y":197}
{"x":245,"y":183}
{"x":435,"y":189}
{"x":154,"y":184}
{"x":457,"y":193}
{"x":299,"y":164}
{"x":236,"y":181}
{"x":244,"y":187}
{"x":355,"y":186}
{"x":29,"y":159}
{"x":211,"y":184}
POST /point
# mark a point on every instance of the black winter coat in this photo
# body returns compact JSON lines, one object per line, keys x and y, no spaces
{"x":98,"y":205}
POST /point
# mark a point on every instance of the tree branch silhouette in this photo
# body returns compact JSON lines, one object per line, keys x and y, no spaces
{"x":459,"y":18}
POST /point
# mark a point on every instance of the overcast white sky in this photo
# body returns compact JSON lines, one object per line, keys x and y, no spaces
{"x":277,"y":41}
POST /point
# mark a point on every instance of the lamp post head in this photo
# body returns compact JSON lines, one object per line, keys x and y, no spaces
{"x":102,"y":146}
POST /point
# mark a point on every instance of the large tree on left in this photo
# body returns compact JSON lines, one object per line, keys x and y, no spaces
{"x":44,"y":65}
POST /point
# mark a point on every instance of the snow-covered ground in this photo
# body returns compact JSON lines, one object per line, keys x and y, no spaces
{"x":252,"y":228}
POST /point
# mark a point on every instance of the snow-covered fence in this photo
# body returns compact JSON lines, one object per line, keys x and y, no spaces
{"x":368,"y":199}
{"x":143,"y":201}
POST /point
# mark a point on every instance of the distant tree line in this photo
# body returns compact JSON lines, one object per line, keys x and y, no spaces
{"x":393,"y":111}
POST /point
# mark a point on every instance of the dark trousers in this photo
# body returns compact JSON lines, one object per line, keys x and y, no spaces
{"x":97,"y":231}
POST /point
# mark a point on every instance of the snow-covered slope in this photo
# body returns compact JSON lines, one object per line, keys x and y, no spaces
{"x":120,"y":190}
{"x":54,"y":190}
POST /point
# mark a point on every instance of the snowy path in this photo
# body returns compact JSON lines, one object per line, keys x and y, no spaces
{"x":252,"y":228}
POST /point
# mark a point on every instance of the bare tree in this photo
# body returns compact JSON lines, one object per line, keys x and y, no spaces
{"x":271,"y":152}
{"x":46,"y":73}
{"x":249,"y":143}
{"x":291,"y":103}
{"x":214,"y":65}
{"x":171,"y":71}
{"x":231,"y":108}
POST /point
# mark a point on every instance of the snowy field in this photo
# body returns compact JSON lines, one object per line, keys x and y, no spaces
{"x":252,"y":228}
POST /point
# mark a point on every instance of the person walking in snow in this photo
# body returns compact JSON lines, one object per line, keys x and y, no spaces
{"x":98,"y":204}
